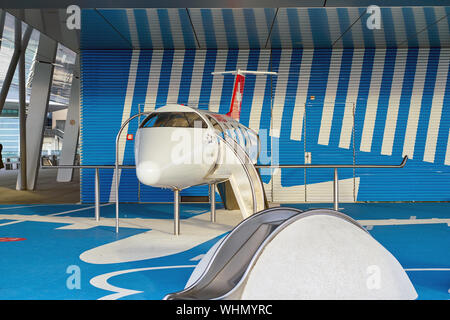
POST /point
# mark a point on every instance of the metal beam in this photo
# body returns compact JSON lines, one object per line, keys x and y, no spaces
{"x":13,"y":64}
{"x":62,"y":4}
{"x":40,"y":94}
{"x":71,"y":128}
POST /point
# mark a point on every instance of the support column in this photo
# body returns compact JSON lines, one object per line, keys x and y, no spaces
{"x":176,"y":212}
{"x":71,"y":128}
{"x":22,"y":107}
{"x":212,"y":199}
{"x":38,"y":107}
{"x":336,"y":190}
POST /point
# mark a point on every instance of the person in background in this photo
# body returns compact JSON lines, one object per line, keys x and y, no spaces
{"x":1,"y":160}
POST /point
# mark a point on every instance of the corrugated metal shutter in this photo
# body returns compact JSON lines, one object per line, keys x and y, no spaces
{"x":400,"y":99}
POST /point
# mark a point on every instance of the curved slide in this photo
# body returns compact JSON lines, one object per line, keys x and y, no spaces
{"x":284,"y":253}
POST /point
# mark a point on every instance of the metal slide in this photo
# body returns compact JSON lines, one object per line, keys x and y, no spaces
{"x":226,"y":266}
{"x":231,"y":258}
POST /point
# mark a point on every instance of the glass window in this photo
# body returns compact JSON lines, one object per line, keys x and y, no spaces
{"x":174,"y":120}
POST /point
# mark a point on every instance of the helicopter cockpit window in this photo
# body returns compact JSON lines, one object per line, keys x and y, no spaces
{"x":174,"y":120}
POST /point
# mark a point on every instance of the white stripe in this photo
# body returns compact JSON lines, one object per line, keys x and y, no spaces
{"x":153,"y":80}
{"x":416,"y":103}
{"x":282,"y":23}
{"x":219,"y":28}
{"x":357,"y":34}
{"x":133,"y":29}
{"x":443,"y":28}
{"x":217,"y":84}
{"x":197,"y":22}
{"x":101,"y":281}
{"x":175,"y":76}
{"x":242,"y":59}
{"x":394,"y":102}
{"x":280,"y":92}
{"x":197,"y":77}
{"x":154,"y":28}
{"x":436,"y":106}
{"x":334,"y":27}
{"x":301,"y":95}
{"x":258,"y":94}
{"x":421,"y":23}
{"x":175,"y":28}
{"x":125,"y":115}
{"x":305,"y":28}
{"x":447,"y":153}
{"x":330,"y":97}
{"x":352,"y":96}
{"x":240,"y":27}
{"x":262,"y":26}
{"x":372,"y":100}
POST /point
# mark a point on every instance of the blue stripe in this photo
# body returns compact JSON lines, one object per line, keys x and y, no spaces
{"x":208,"y":28}
{"x":294,"y":27}
{"x":166,"y":32}
{"x":405,"y":100}
{"x":266,"y":109}
{"x":369,"y":41}
{"x":142,"y":26}
{"x":344,"y":24}
{"x":228,"y":81}
{"x":286,"y":145}
{"x":252,"y":31}
{"x":188,"y":34}
{"x":164,"y":78}
{"x":363,"y":93}
{"x":432,"y":29}
{"x":319,"y":76}
{"x":388,"y":27}
{"x":383,"y":100}
{"x":410,"y":27}
{"x":444,"y":127}
{"x":341,"y":96}
{"x":186,"y":76}
{"x":274,"y":40}
{"x":97,"y":67}
{"x":427,"y":99}
{"x":319,"y":27}
{"x":205,"y":92}
{"x":230,"y":29}
{"x":249,"y":88}
{"x":129,"y":184}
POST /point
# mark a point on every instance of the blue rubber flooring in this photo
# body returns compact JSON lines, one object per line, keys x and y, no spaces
{"x":41,"y":267}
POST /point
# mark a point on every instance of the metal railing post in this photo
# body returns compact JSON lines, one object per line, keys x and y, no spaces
{"x":336,"y":190}
{"x":176,"y":212}
{"x":97,"y":195}
{"x":212,"y":198}
{"x":116,"y":164}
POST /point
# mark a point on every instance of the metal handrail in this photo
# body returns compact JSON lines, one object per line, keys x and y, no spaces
{"x":401,"y":165}
{"x":335,"y":167}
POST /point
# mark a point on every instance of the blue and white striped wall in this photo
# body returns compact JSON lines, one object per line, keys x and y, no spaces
{"x":263,"y":28}
{"x":341,"y":105}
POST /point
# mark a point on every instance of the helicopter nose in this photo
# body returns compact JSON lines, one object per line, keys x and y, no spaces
{"x":148,"y":172}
